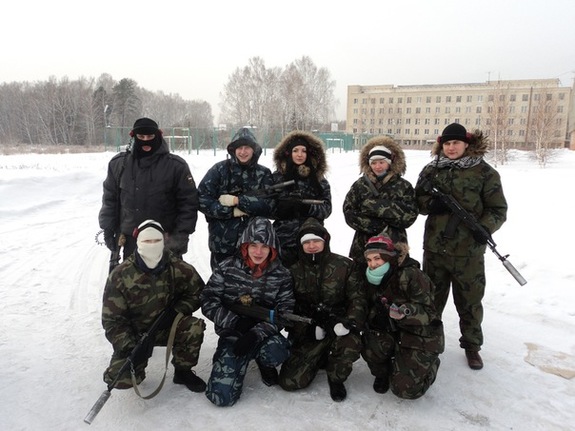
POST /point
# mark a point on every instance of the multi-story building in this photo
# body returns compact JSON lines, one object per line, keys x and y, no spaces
{"x":514,"y":113}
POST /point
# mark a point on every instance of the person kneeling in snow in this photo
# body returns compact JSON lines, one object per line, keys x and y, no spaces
{"x":254,"y":273}
{"x":405,"y":335}
{"x":136,"y":293}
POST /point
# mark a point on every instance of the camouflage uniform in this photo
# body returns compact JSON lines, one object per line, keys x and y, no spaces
{"x":231,"y":280}
{"x":456,"y":258}
{"x":310,"y":183}
{"x":230,"y":177}
{"x":374,"y":205}
{"x":159,"y":187}
{"x":133,"y":299}
{"x":325,"y":280}
{"x":404,"y":351}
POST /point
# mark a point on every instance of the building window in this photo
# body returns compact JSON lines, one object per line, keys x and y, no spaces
{"x":437,"y":121}
{"x":355,"y":111}
{"x":522,"y":133}
{"x":524,"y":109}
{"x":549,"y":97}
{"x":448,"y":99}
{"x":400,"y":100}
{"x":355,"y":101}
{"x":382,"y":100}
{"x":437,"y":110}
{"x":428,"y":99}
{"x":364,"y":101}
{"x":427,"y":121}
{"x":416,"y":132}
{"x":407,"y":131}
{"x":561,"y":96}
{"x":478,"y":110}
{"x":408,"y":121}
{"x":417,"y":121}
{"x":560,"y":109}
{"x":458,"y":109}
{"x":408,"y":110}
{"x":468,"y":109}
{"x":525,"y":97}
{"x":457,"y":99}
{"x":418,"y":110}
{"x":502,"y":97}
{"x":510,"y":121}
{"x":490,"y":109}
{"x":426,"y":131}
{"x":391,"y":100}
{"x":446,"y":121}
{"x":438,"y":99}
{"x":480,"y":98}
{"x":523,"y":121}
{"x":399,"y":110}
{"x":390,"y":110}
{"x":409,"y":99}
{"x":478,"y":121}
{"x":355,"y":121}
{"x":512,"y":98}
{"x":428,"y":110}
{"x":490,"y":98}
{"x":447,"y":110}
{"x":510,"y":132}
{"x":469,"y":99}
{"x":511,"y":109}
{"x":381,"y":111}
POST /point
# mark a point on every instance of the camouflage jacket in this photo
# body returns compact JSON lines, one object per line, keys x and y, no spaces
{"x":233,"y":279}
{"x":478,"y":189}
{"x":158,"y":187}
{"x":229,"y":177}
{"x":327,"y":280}
{"x":310,"y":183}
{"x":374,"y":205}
{"x":134,"y":298}
{"x":405,"y":284}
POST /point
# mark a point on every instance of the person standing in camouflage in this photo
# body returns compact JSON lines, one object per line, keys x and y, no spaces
{"x":224,"y":197}
{"x":300,"y":156}
{"x":453,"y":254}
{"x":381,"y":200}
{"x":254,"y":275}
{"x":404,"y":334}
{"x":148,"y":182}
{"x":137,"y":292}
{"x":328,"y":290}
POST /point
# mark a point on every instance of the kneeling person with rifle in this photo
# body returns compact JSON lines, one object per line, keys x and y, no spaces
{"x":327,"y":289}
{"x":148,"y":299}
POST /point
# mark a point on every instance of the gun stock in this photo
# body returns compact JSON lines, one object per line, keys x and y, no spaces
{"x":267,"y":315}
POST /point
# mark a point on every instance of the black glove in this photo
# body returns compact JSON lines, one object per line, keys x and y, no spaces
{"x":481,"y":236}
{"x":285,"y":210}
{"x":244,"y":324}
{"x":437,"y":206}
{"x":110,"y":239}
{"x":245,"y":343}
{"x":144,"y":352}
{"x":380,"y":320}
{"x":177,"y":243}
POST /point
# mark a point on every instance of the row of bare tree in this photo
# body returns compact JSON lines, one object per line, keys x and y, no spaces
{"x":76,"y":112}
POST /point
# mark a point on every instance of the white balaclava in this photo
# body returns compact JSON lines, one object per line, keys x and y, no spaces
{"x":151,"y":252}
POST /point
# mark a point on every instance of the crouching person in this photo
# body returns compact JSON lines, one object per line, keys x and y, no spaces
{"x":329,"y":290}
{"x":254,"y":275}
{"x":148,"y":282}
{"x":404,"y":336}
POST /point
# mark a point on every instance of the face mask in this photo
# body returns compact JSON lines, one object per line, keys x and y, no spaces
{"x":374,"y":276}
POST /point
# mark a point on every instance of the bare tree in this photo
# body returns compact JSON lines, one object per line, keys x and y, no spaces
{"x":543,"y":129}
{"x":498,"y":121}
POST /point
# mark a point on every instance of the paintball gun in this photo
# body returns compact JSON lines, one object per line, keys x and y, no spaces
{"x":143,"y":343}
{"x":246,"y":307}
{"x":266,"y":192}
{"x":327,"y":317}
{"x":471,"y":222}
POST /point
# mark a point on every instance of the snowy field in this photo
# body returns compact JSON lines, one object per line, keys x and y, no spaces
{"x":53,"y":350}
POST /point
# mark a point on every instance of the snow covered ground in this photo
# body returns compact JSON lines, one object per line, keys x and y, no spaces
{"x":53,"y":350}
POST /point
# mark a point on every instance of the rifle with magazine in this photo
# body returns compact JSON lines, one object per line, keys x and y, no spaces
{"x":327,"y":317}
{"x":471,"y":222}
{"x":246,"y":307}
{"x":265,"y":192}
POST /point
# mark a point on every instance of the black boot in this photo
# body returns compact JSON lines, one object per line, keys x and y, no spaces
{"x":337,"y":391}
{"x":189,"y":378}
{"x":269,"y":374}
{"x":381,"y":385}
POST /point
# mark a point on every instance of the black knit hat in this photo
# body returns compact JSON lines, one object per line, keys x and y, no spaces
{"x":454,"y":132}
{"x":145,"y":126}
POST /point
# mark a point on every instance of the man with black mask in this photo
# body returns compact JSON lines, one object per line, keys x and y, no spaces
{"x":148,"y":182}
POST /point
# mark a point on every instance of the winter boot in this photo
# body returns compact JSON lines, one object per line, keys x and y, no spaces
{"x":189,"y":378}
{"x":474,"y":360}
{"x":269,"y":374}
{"x":337,"y":391}
{"x":381,"y":385}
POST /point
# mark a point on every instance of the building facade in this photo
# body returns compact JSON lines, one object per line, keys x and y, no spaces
{"x":517,"y":114}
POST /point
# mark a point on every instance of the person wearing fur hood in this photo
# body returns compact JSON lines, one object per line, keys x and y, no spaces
{"x":404,"y":334}
{"x":381,"y":200}
{"x":454,"y":254}
{"x":300,"y":156}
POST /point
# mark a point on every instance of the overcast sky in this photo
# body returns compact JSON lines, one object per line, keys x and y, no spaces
{"x":192,"y":48}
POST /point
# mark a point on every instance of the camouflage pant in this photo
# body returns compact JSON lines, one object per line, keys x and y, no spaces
{"x":466,"y":276}
{"x":411,"y":371}
{"x":307,"y":355}
{"x":186,"y":351}
{"x":228,"y":370}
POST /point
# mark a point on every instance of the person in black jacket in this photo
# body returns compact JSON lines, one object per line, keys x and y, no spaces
{"x":148,"y":182}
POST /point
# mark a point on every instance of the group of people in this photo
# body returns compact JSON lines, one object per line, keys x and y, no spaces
{"x":270,"y":250}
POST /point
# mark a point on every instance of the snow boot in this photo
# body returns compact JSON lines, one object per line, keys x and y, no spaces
{"x":269,"y":375}
{"x":189,"y":378}
{"x":381,"y":385}
{"x":337,"y":391}
{"x":474,"y":359}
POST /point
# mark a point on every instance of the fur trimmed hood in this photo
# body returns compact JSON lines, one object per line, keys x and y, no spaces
{"x":398,"y":165}
{"x":478,"y":145}
{"x":316,"y":158}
